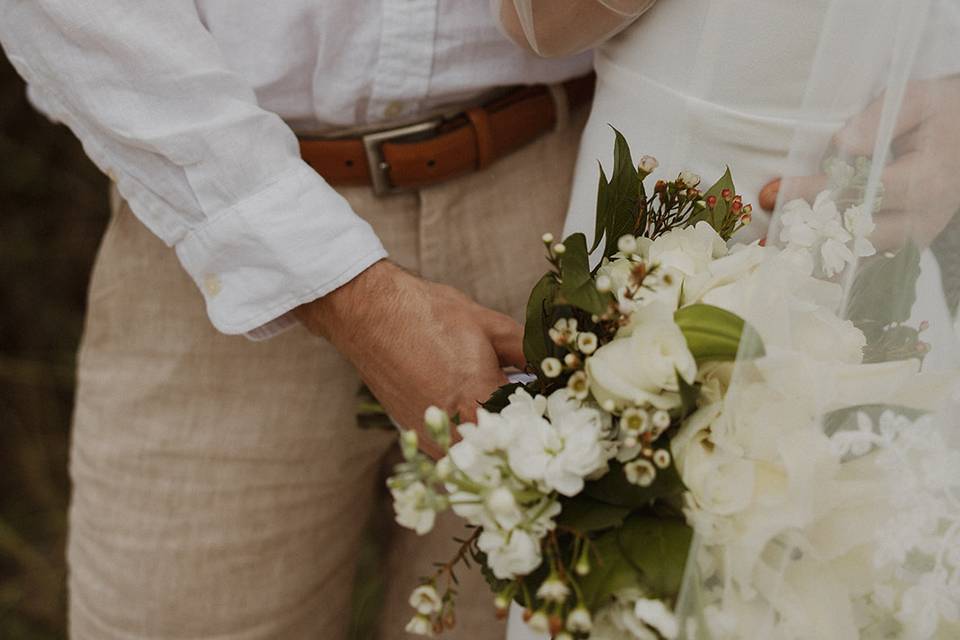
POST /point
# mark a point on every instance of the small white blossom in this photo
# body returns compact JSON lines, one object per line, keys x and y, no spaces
{"x":587,"y":342}
{"x":579,"y":385}
{"x":661,"y":458}
{"x":413,"y":507}
{"x":604,"y":284}
{"x":444,"y":468}
{"x":551,"y":367}
{"x":504,"y":508}
{"x":547,"y":238}
{"x":661,"y":421}
{"x":627,"y":244}
{"x":539,"y":622}
{"x":635,"y":421}
{"x":820,"y":230}
{"x":553,"y":589}
{"x":420,"y":626}
{"x":510,"y":554}
{"x":426,"y":600}
{"x":571,"y":360}
{"x":640,"y":472}
{"x":658,"y":616}
{"x":689,"y":179}
{"x":579,"y":620}
{"x":559,"y":249}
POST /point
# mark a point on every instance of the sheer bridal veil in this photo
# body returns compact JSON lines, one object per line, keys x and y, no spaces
{"x":834,"y":483}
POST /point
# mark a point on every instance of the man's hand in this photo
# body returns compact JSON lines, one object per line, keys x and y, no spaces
{"x":920,"y":185}
{"x":416,"y":343}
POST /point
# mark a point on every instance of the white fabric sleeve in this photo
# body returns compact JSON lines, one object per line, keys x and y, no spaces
{"x":565,"y":27}
{"x":145,"y":88}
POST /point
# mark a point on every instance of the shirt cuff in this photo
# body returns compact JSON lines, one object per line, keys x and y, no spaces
{"x":292,"y":242}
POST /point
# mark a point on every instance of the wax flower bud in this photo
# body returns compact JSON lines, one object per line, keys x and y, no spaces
{"x":648,"y":164}
{"x":551,"y":367}
{"x":627,"y":244}
{"x":409,"y":443}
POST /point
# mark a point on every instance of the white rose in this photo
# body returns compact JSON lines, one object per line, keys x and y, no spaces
{"x":413,"y":508}
{"x":689,"y":250}
{"x":790,"y":308}
{"x":642,"y":368}
{"x":510,"y":554}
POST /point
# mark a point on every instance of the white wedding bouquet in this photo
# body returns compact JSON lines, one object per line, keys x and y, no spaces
{"x":583,"y":489}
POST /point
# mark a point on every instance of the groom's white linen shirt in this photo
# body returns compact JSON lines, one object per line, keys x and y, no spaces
{"x":188,"y":105}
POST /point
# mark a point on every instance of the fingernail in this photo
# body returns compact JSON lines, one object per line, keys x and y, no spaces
{"x":768,"y":195}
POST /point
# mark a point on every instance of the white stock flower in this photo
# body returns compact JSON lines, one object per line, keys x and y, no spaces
{"x":510,"y":554}
{"x":502,"y":505}
{"x":419,"y":626}
{"x":860,"y":224}
{"x":837,"y":240}
{"x":642,"y":368}
{"x":561,"y":453}
{"x":656,"y":614}
{"x":426,"y":600}
{"x":412,"y":505}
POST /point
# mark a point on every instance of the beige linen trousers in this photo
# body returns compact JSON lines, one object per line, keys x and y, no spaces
{"x":221,"y":486}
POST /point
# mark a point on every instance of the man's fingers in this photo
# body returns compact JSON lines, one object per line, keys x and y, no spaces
{"x":506,"y":336}
{"x":806,"y":187}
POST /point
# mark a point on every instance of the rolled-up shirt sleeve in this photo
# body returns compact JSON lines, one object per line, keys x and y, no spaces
{"x":145,"y":88}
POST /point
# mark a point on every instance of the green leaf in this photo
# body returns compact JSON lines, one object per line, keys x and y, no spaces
{"x":720,"y":212}
{"x":647,"y":552}
{"x":688,"y":396}
{"x":617,"y":198}
{"x":659,"y":548}
{"x":586,"y":515}
{"x":714,"y":334}
{"x":614,"y":488}
{"x":536,"y":341}
{"x":884,"y":289}
{"x":499,"y":399}
{"x":576,"y":282}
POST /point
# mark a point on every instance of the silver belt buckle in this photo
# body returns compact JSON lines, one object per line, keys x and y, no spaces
{"x":372,"y":145}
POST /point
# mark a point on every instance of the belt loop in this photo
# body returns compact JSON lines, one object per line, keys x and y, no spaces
{"x":561,"y":106}
{"x":481,"y":128}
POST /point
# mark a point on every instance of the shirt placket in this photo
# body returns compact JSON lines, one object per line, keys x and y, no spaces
{"x":404,"y":62}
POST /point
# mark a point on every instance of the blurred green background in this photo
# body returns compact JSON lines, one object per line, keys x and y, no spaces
{"x":53,"y":208}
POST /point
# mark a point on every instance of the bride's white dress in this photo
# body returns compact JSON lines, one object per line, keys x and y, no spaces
{"x":738,"y":93}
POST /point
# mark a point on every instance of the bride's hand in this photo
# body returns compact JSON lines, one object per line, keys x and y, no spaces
{"x":416,"y":343}
{"x":920,"y":186}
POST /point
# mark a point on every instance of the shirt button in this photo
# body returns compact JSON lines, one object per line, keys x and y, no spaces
{"x":393,"y":109}
{"x":212,"y":285}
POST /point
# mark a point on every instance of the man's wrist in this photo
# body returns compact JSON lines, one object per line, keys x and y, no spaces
{"x":339,"y":314}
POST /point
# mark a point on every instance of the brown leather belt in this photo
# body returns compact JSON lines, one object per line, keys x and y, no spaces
{"x":428,"y":153}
